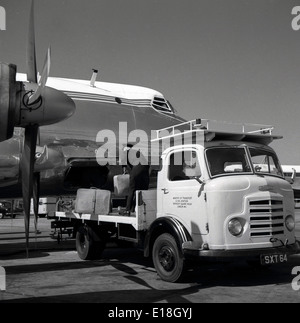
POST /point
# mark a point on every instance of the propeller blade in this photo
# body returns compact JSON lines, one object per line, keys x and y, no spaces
{"x":36,"y":198}
{"x":43,"y":80}
{"x":31,"y":53}
{"x":46,"y":69}
{"x":27,"y":167}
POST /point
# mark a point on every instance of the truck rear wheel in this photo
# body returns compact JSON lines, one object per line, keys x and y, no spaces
{"x":87,"y":248}
{"x":167,"y":258}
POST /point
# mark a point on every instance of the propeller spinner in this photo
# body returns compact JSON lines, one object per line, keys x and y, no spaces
{"x":30,"y":105}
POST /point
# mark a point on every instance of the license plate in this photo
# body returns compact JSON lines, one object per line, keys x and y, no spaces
{"x":273,"y":259}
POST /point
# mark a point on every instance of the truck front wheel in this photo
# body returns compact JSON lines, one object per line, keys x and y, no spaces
{"x":168,"y":260}
{"x":87,"y":248}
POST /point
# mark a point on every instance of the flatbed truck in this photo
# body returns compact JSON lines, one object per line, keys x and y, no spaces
{"x":226,"y":199}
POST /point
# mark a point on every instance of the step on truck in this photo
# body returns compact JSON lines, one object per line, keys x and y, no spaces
{"x":220,"y":195}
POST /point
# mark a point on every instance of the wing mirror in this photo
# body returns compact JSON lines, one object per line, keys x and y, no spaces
{"x":197,"y":178}
{"x":294,"y":175}
{"x":291,"y":180}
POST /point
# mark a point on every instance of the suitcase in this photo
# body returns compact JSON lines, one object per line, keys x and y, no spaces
{"x":93,"y":201}
{"x":121,"y":185}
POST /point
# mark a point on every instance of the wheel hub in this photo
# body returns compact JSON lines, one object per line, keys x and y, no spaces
{"x":82,"y":241}
{"x":166,"y":258}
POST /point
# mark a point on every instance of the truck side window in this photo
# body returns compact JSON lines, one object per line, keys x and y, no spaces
{"x":184,"y":166}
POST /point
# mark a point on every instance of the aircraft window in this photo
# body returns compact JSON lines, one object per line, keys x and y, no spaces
{"x":171,"y":107}
{"x":161,"y":104}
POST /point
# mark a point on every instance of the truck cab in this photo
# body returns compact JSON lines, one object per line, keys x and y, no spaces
{"x":229,"y":195}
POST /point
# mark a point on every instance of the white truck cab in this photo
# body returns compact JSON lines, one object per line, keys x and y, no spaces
{"x":233,"y":204}
{"x":220,"y":195}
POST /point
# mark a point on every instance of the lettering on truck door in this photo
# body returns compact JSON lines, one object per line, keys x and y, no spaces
{"x":182,"y":194}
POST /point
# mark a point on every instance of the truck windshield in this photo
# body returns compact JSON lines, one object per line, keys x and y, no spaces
{"x":234,"y":160}
{"x":228,"y":160}
{"x":265,"y":162}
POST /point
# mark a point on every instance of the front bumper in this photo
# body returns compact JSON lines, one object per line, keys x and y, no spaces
{"x":241,"y":254}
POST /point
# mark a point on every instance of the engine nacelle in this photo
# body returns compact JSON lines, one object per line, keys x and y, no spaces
{"x":52,"y":107}
{"x":8,"y":100}
{"x":15,"y":110}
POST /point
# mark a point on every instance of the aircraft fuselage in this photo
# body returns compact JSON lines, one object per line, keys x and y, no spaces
{"x":70,"y":159}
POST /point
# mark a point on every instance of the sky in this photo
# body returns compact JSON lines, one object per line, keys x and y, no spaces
{"x":230,"y":60}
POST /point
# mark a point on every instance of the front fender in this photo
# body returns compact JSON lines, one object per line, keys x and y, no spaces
{"x":166,"y":225}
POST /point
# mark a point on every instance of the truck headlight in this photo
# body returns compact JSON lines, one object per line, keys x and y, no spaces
{"x":235,"y":227}
{"x":290,"y":223}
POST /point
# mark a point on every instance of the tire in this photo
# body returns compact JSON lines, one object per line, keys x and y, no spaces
{"x":168,"y":259}
{"x":87,"y":248}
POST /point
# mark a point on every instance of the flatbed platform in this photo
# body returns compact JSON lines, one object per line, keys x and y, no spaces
{"x":111,"y":217}
{"x":143,"y":216}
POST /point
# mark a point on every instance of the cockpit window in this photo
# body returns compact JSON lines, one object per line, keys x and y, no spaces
{"x":162,"y":105}
{"x":265,"y":162}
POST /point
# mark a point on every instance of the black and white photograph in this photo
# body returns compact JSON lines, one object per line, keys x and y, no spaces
{"x":149,"y":154}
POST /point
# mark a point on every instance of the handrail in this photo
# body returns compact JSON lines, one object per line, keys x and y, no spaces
{"x":207,"y":124}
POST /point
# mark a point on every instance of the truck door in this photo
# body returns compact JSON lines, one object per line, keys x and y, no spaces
{"x":182,"y":195}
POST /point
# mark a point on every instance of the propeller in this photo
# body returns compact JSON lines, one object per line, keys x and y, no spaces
{"x":30,"y":105}
{"x":27,"y":167}
{"x":36,"y":198}
{"x":31,"y":52}
{"x":35,"y":97}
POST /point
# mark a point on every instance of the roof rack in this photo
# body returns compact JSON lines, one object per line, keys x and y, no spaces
{"x":214,"y":130}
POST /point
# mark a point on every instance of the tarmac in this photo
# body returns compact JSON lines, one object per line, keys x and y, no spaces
{"x":53,"y":273}
{"x":12,"y":238}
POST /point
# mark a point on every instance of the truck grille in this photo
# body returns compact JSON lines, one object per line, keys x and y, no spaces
{"x":266,"y":218}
